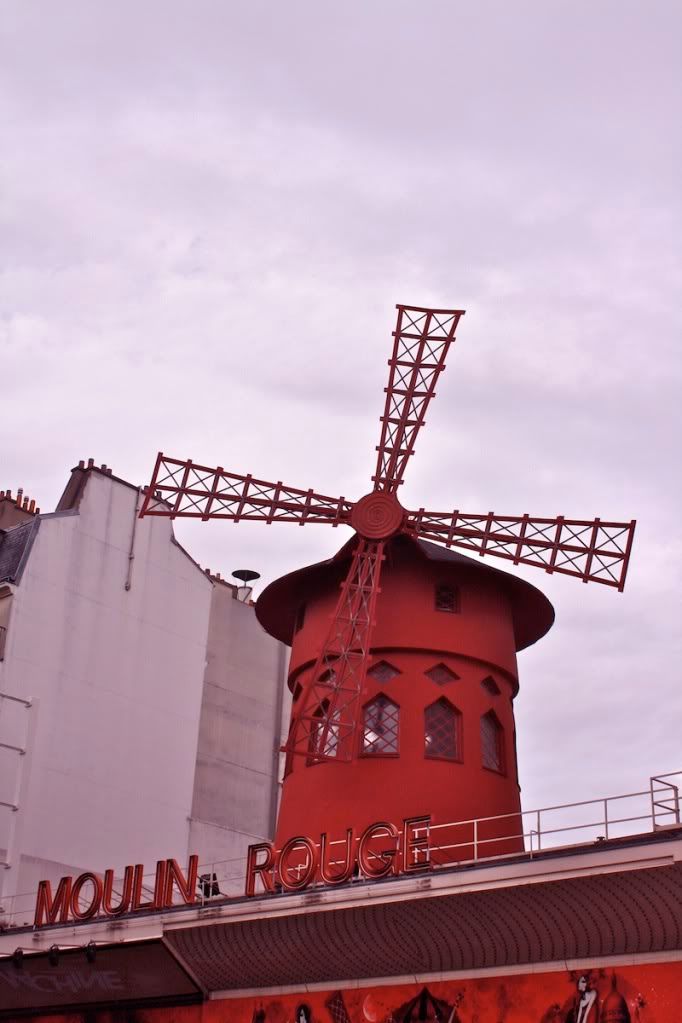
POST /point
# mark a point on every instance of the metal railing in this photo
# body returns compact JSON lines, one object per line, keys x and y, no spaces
{"x":528,"y":834}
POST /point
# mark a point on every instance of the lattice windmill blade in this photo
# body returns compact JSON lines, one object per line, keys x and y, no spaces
{"x":184,"y":488}
{"x":327,"y":715}
{"x":592,"y":550}
{"x":324,"y":726}
{"x":422,"y":340}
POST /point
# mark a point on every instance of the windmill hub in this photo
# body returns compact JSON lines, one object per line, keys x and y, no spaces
{"x":377,"y":516}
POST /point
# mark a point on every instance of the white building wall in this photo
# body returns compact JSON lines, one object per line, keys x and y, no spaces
{"x":244,"y":720}
{"x":119,"y":677}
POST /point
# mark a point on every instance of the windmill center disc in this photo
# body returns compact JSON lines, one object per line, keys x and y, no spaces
{"x":377,"y":516}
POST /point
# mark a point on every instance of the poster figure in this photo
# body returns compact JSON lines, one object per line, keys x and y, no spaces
{"x":303,"y":1014}
{"x":585,"y":1008}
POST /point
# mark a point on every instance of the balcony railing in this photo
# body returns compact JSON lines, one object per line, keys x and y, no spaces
{"x":484,"y":840}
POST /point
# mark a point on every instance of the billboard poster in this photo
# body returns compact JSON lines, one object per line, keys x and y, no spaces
{"x":648,"y":993}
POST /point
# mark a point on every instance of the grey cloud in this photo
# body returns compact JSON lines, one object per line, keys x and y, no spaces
{"x":209,"y":211}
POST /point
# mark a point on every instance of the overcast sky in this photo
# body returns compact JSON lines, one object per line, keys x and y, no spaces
{"x":209,"y":211}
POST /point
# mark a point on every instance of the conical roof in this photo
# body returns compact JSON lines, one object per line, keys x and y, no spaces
{"x":278,"y":604}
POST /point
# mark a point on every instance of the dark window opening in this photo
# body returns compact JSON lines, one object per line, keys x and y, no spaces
{"x":491,"y":686}
{"x":441,"y":674}
{"x":492,"y":743}
{"x":443,"y":731}
{"x":383,"y":672}
{"x":447,"y":598}
{"x":381,"y":727}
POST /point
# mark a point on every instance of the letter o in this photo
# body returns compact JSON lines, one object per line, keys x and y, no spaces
{"x":304,"y":878}
{"x":93,"y":909}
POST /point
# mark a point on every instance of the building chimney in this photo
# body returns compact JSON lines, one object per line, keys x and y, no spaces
{"x":245,"y":577}
{"x":15,"y":510}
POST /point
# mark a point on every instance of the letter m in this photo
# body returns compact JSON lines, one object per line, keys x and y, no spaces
{"x":49,"y":910}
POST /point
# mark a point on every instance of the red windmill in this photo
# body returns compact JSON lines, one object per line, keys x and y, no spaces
{"x":327,"y":712}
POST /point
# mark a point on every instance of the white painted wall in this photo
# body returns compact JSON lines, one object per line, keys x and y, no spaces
{"x":244,"y":719}
{"x":119,"y":676}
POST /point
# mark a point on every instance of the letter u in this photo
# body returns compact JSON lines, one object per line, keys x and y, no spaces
{"x":124,"y":904}
{"x":346,"y":872}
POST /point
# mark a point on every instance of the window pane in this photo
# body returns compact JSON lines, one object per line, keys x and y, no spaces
{"x":380,"y":733}
{"x":441,"y":731}
{"x":446,"y":598}
{"x":441,"y":674}
{"x":491,"y":742}
{"x":491,"y":686}
{"x":327,"y":744}
{"x":383,"y":672}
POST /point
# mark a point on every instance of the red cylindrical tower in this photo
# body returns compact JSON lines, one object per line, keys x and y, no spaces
{"x":437,"y":729}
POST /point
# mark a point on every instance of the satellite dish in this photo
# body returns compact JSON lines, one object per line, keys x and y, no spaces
{"x":245,"y":575}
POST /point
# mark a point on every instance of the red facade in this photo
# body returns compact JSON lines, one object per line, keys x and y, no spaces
{"x":437,"y":734}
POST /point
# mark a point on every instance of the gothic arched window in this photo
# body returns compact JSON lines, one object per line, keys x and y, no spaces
{"x":324,"y":735}
{"x":442,"y":731}
{"x":381,"y":726}
{"x":492,"y":743}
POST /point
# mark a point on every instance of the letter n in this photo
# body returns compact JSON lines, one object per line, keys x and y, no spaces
{"x":187,"y":888}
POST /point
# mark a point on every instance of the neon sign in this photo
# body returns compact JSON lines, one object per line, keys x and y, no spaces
{"x":91,"y":895}
{"x":301,"y":862}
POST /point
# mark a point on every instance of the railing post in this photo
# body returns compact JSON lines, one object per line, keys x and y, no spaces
{"x":476,"y":840}
{"x":606,"y":819}
{"x":539,"y":830}
{"x":653,"y":803}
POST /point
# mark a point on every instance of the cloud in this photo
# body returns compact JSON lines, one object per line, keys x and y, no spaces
{"x":209,"y":212}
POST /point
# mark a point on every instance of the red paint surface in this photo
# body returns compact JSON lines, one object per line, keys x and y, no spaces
{"x":649,"y":993}
{"x":474,"y":643}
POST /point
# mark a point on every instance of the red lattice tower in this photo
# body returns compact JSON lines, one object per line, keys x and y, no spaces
{"x":328,"y":717}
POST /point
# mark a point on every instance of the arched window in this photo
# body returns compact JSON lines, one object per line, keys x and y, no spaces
{"x":492,"y":743}
{"x":381,"y":726}
{"x":324,"y":735}
{"x":446,"y":598}
{"x":442,"y":731}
